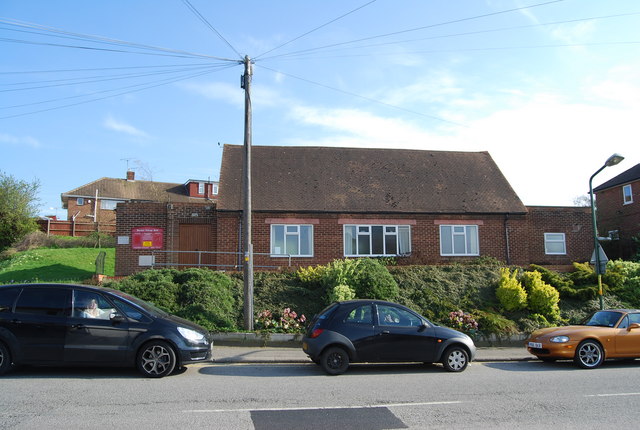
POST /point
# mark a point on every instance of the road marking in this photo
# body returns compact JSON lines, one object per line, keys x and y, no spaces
{"x":388,"y":405}
{"x":612,"y":395}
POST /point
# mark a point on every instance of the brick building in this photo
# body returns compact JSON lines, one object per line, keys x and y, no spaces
{"x":92,"y":207}
{"x":312,"y":205}
{"x":618,"y":213}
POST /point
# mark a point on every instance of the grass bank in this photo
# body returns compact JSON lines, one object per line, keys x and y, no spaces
{"x":54,"y":265}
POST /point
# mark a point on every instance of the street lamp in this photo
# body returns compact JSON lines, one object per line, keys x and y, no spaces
{"x":611,"y":161}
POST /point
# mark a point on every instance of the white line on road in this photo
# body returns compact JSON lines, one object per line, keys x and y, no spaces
{"x":612,"y":395}
{"x":388,"y":405}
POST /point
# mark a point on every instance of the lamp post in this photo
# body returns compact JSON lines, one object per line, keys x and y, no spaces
{"x":611,"y":161}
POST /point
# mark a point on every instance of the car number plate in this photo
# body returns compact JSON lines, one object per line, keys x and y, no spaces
{"x":535,"y":345}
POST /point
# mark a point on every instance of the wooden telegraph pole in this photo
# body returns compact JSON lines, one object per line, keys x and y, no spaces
{"x":246,"y":220}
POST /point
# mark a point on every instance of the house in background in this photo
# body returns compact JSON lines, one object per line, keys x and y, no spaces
{"x":92,"y":207}
{"x":312,"y":205}
{"x":618,"y":213}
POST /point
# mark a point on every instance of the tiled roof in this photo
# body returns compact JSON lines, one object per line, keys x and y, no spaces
{"x":328,"y":179}
{"x":122,"y":189}
{"x":633,"y":174}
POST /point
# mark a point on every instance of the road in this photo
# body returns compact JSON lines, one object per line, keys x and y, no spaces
{"x":495,"y":395}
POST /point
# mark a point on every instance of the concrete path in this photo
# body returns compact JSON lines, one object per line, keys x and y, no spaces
{"x":248,"y":354}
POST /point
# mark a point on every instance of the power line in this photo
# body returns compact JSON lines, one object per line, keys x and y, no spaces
{"x":94,"y":79}
{"x":212,"y":28}
{"x":54,"y":32}
{"x":399,"y":42}
{"x":315,"y":29}
{"x":157,"y":84}
{"x":395,"y":33}
{"x":364,"y":97}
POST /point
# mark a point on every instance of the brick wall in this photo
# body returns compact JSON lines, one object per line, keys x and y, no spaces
{"x":613,"y":214}
{"x":84,"y":213}
{"x":169,"y":217}
{"x":574,"y":222}
{"x":515,"y":239}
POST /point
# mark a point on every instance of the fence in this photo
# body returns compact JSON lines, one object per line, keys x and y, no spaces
{"x":203,"y":256}
{"x":71,"y":228}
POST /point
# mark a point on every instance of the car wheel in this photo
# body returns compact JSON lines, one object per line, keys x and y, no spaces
{"x":455,"y":359}
{"x":5,"y":359}
{"x":334,"y":361}
{"x":156,"y":359}
{"x":589,"y":355}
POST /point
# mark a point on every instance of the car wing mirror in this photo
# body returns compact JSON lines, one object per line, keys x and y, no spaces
{"x":116,"y":317}
{"x":423,"y":326}
{"x":633,"y":326}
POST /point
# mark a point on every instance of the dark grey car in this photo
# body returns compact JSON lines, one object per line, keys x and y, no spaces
{"x":375,"y":331}
{"x":77,"y":325}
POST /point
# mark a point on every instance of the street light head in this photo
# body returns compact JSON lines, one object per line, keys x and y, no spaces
{"x":613,"y":160}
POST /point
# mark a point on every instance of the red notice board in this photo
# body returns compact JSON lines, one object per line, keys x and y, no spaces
{"x":147,"y":238}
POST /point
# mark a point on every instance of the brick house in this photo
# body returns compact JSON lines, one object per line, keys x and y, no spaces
{"x":92,"y":207}
{"x":312,"y":205}
{"x":618,"y":214}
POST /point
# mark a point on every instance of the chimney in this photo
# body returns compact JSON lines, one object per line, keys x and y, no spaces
{"x":131,"y":175}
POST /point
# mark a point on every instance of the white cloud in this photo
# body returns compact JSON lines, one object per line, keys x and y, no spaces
{"x":228,"y":93}
{"x":122,"y":127}
{"x":20,"y":141}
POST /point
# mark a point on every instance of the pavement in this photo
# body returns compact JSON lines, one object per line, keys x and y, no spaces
{"x":270,"y":354}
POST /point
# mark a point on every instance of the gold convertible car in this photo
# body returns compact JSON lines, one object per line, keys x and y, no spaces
{"x":613,"y":333}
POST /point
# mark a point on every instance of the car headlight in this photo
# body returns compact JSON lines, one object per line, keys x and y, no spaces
{"x":559,"y":339}
{"x":191,"y":335}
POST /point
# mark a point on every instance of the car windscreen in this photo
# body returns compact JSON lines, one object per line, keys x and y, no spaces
{"x":149,"y":307}
{"x":603,"y":319}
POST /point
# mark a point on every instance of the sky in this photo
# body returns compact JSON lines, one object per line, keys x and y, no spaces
{"x":89,"y":89}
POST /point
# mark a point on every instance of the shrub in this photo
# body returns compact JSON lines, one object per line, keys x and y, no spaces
{"x":155,"y":286}
{"x":552,"y":278}
{"x":311,"y":274}
{"x":496,"y":324}
{"x":288,"y":322}
{"x":373,"y":281}
{"x":208,"y":292}
{"x":541,"y":297}
{"x":340,"y":293}
{"x":341,"y":272}
{"x":533,"y":322}
{"x":510,"y":293}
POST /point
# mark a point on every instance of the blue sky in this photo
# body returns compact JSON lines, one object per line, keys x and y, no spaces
{"x":549,"y":88}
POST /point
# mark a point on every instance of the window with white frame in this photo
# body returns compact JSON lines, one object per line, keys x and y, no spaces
{"x":215,"y":189}
{"x":291,"y":240}
{"x":200,"y":187}
{"x":459,"y":240}
{"x":554,"y":243}
{"x":109,"y":205}
{"x":377,"y":240}
{"x":80,"y":201}
{"x":627,"y":194}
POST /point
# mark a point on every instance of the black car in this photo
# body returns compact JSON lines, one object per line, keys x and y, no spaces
{"x":375,"y":331}
{"x":77,"y":325}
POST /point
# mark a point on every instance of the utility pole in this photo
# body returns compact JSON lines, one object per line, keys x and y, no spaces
{"x":246,"y":214}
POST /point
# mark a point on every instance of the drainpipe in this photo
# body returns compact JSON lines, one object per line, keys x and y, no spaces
{"x":506,"y":238}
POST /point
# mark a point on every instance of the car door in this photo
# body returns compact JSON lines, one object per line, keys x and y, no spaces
{"x":39,"y":323}
{"x":628,"y":340}
{"x":402,"y":335}
{"x":94,"y":334}
{"x":356,"y":323}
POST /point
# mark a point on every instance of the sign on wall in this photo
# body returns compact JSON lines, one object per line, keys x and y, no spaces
{"x":147,"y":237}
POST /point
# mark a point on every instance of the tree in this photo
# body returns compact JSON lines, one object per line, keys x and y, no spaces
{"x":583,"y":201}
{"x":18,"y":208}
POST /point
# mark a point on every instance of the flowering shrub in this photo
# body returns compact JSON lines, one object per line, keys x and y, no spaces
{"x":288,"y":322}
{"x":463,"y":321}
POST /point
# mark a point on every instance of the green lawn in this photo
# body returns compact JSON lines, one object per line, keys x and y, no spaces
{"x":55,"y":265}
